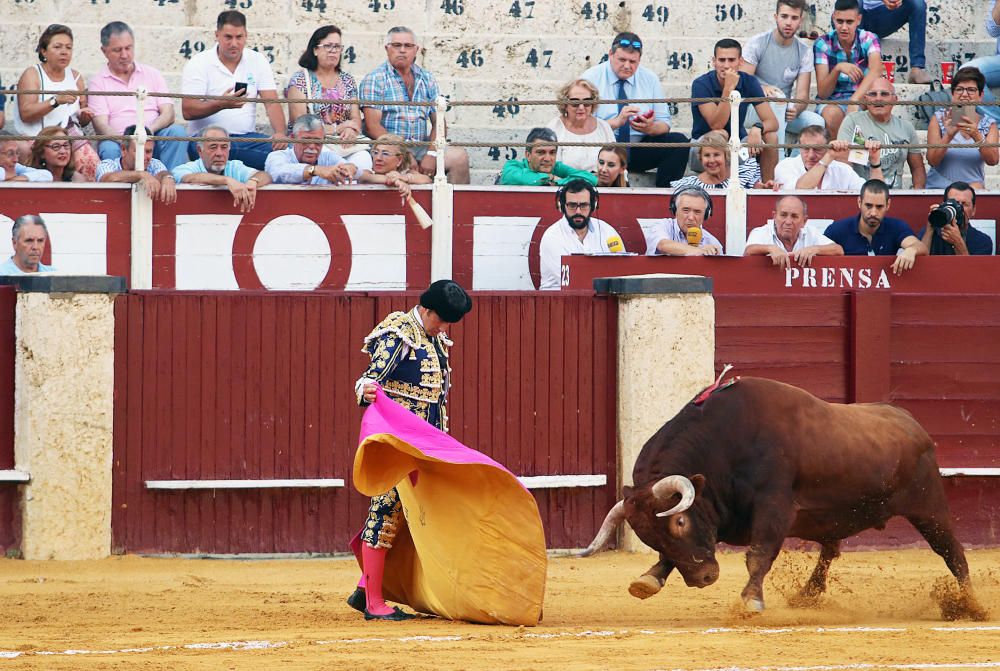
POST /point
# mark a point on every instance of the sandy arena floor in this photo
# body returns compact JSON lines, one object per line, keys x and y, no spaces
{"x":138,"y":613}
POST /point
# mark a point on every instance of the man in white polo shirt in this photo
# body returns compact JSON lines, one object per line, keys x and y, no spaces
{"x":229,"y":68}
{"x":825,"y":169}
{"x":788,"y":239}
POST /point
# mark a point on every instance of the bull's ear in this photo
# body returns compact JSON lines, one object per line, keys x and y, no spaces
{"x":699,"y":483}
{"x":627,"y":491}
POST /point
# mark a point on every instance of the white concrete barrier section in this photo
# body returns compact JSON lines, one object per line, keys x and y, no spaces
{"x":63,"y":410}
{"x":666,"y":355}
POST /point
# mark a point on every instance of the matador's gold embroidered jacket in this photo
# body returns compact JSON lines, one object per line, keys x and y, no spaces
{"x":411,"y":366}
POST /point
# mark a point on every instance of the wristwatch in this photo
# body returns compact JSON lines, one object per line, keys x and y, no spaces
{"x":53,"y":102}
{"x":311,"y":171}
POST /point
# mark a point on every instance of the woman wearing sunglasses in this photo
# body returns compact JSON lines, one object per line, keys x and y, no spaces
{"x":576,"y":123}
{"x":52,"y":150}
{"x":393,"y":165}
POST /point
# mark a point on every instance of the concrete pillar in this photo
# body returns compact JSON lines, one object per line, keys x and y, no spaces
{"x":666,"y":354}
{"x":63,"y":409}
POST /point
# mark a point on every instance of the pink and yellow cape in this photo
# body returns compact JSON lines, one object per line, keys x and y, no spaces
{"x":473,"y":547}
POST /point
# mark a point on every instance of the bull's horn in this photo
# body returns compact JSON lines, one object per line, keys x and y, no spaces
{"x":615,"y":517}
{"x":670,"y":485}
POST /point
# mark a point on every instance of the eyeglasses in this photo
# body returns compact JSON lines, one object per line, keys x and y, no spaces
{"x":580,"y":102}
{"x":879,"y":94}
{"x":969,"y":90}
{"x":331,"y":47}
{"x":577,"y":207}
{"x":628,"y":44}
{"x":402,"y":45}
{"x":58,"y":146}
{"x":8,"y":152}
{"x":382,"y":153}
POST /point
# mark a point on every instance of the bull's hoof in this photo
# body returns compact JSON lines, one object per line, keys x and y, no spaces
{"x":645,"y":586}
{"x":754,"y":605}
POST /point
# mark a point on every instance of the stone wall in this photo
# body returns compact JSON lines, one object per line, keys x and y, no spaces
{"x":478,"y":49}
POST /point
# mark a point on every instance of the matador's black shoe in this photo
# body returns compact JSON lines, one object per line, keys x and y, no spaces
{"x":397,"y":615}
{"x":357,"y":600}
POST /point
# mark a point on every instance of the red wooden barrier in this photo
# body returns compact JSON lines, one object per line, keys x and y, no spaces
{"x":259,"y":386}
{"x":10,"y":519}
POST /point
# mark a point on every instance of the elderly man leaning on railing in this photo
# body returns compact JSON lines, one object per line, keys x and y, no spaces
{"x":214,"y":168}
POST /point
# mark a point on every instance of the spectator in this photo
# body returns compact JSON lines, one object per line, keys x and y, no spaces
{"x":783,"y":64}
{"x":725,"y":78}
{"x":539,"y":166}
{"x":623,"y":78}
{"x":577,"y":232}
{"x":11,"y":170}
{"x":713,"y":154}
{"x":112,"y":114}
{"x":309,"y":162}
{"x":963,"y":127}
{"x":788,"y":238}
{"x":877,"y":122}
{"x":990,"y":65}
{"x":400,"y":79}
{"x":155,"y":177}
{"x":67,"y":109}
{"x":393,"y":165}
{"x":576,"y":123}
{"x":885,"y":17}
{"x":321,"y":77}
{"x":214,"y":167}
{"x":848,"y":60}
{"x":230,"y":69}
{"x":52,"y":150}
{"x":691,"y":207}
{"x":872,"y":233}
{"x":612,"y":167}
{"x":825,"y":169}
{"x":28,"y":236}
{"x":958,"y":237}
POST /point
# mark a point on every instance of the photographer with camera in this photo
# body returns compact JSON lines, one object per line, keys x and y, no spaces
{"x":950,"y":232}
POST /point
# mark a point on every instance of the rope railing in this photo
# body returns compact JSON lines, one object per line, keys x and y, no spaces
{"x":491,"y":103}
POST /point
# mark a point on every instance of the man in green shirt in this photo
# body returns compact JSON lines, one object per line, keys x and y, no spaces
{"x":540,"y":167}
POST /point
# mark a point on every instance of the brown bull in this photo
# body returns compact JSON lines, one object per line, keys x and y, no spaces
{"x":759,"y":461}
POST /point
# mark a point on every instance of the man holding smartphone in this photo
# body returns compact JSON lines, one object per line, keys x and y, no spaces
{"x":621,"y":78}
{"x":230,"y":69}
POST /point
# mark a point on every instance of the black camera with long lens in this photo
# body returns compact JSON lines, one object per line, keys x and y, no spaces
{"x":948,"y":212}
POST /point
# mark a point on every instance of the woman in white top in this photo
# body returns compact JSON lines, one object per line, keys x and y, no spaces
{"x":576,"y":123}
{"x":66,"y":109}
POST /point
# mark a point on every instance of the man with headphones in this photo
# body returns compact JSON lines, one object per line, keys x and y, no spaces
{"x":577,"y":232}
{"x":683,"y":234}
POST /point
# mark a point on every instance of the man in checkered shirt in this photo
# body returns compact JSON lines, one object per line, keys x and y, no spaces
{"x":848,"y":61}
{"x":401,"y":79}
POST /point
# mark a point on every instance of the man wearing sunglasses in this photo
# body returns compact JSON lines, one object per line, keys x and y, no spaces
{"x":877,"y":122}
{"x":621,"y":78}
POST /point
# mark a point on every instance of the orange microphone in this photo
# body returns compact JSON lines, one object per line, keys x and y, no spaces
{"x":694,"y":235}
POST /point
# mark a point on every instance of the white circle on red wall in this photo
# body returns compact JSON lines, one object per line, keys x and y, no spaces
{"x":291,"y":253}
